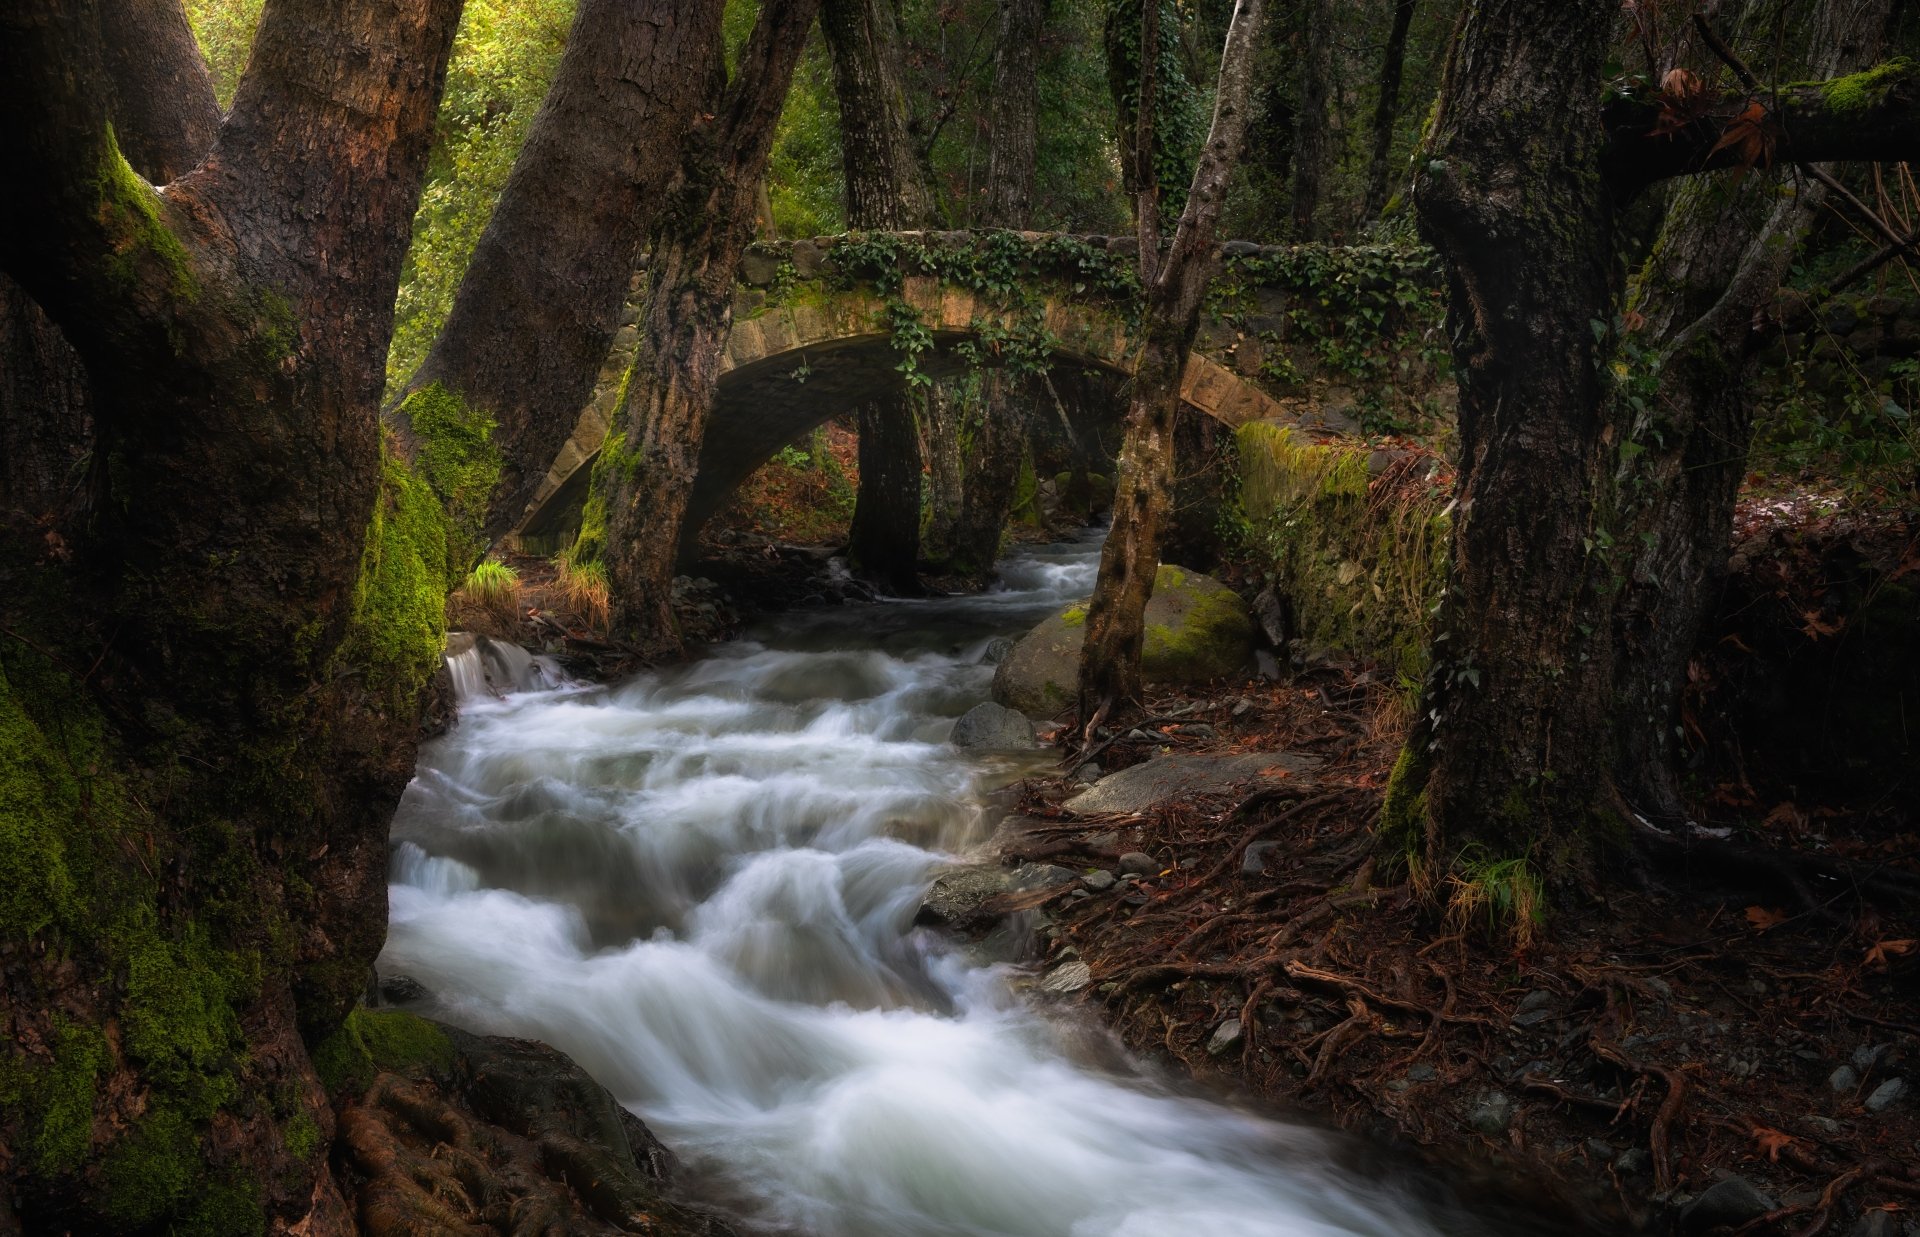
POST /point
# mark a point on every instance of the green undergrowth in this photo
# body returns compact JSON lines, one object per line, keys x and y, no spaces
{"x":1361,"y":562}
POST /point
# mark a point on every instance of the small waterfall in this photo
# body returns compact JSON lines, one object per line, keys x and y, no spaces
{"x":483,"y":668}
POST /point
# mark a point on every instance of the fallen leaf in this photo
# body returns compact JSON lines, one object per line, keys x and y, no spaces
{"x":1761,"y":918}
{"x":1772,"y":1141}
{"x":1882,"y":950}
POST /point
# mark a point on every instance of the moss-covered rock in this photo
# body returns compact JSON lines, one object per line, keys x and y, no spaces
{"x":1197,"y":629}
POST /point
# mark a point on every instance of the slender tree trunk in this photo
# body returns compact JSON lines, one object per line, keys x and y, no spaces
{"x":885,"y":192}
{"x":203,"y":743}
{"x":1386,"y":109}
{"x":1116,"y":619}
{"x":992,"y":471}
{"x":1312,"y":134}
{"x":646,"y":467}
{"x":1722,"y":253}
{"x":540,"y":301}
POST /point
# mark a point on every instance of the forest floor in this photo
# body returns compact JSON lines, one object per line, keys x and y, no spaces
{"x":1727,"y":1045}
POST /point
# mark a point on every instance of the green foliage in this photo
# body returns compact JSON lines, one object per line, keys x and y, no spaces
{"x":803,"y":169}
{"x":224,"y":29}
{"x":1500,"y":893}
{"x":372,"y":1041}
{"x":1822,"y":414}
{"x":1179,"y":120}
{"x":503,"y":58}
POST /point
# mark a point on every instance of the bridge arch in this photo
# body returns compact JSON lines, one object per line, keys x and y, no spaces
{"x":791,"y":366}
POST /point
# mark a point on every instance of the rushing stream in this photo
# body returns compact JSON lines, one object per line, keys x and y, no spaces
{"x":701,"y":884}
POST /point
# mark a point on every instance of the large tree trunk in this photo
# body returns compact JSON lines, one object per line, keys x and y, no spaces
{"x":1515,"y":749}
{"x":1312,"y":132}
{"x":1116,"y":619}
{"x":646,"y":467}
{"x":1701,"y":301}
{"x":1386,"y":108}
{"x":885,"y":192}
{"x":540,"y":301}
{"x":203,"y":738}
{"x":1014,"y":124}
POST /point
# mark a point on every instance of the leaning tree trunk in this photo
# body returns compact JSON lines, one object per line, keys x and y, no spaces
{"x":1514,"y":755}
{"x":1701,"y":300}
{"x":885,"y":192}
{"x":209,"y":670}
{"x":1386,"y":108}
{"x":540,"y":300}
{"x":647,"y":464}
{"x":1175,"y":287}
{"x":1312,"y":132}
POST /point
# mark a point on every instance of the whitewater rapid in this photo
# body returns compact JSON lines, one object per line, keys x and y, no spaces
{"x":701,"y":884}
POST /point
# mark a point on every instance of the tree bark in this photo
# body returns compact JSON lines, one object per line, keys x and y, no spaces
{"x":164,"y":111}
{"x":197,"y":753}
{"x":885,"y":192}
{"x":1312,"y":135}
{"x":1386,"y":109}
{"x":992,"y":471}
{"x":945,"y":437}
{"x":647,"y":464}
{"x":1116,"y":618}
{"x":1014,"y":116}
{"x":540,"y":301}
{"x":1514,"y":740}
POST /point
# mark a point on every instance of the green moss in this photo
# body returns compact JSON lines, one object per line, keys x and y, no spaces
{"x":38,"y":793}
{"x":458,"y":458}
{"x":1213,"y":632}
{"x":301,"y":1134}
{"x":226,"y":1208}
{"x":149,"y":1170}
{"x":372,"y":1041}
{"x":400,"y":600}
{"x":1403,"y":812}
{"x":131,"y":216}
{"x":1074,"y":616}
{"x":1867,"y":89}
{"x":178,"y":1018}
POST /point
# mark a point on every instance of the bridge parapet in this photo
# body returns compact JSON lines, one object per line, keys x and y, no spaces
{"x":1320,"y":337}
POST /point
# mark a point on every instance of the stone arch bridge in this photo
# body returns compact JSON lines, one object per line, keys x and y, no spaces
{"x":818,"y":331}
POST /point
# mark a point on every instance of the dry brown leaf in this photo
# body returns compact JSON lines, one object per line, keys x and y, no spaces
{"x":1772,"y":1141}
{"x":1761,"y":918}
{"x":1878,"y":954}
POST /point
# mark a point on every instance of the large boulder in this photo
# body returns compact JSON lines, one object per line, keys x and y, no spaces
{"x":1197,"y":629}
{"x":988,"y":727}
{"x":1184,"y":777}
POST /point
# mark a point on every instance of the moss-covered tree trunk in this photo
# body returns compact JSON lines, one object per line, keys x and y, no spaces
{"x":541,"y":297}
{"x":1175,"y":286}
{"x":645,"y":472}
{"x":208,"y":667}
{"x":885,"y":191}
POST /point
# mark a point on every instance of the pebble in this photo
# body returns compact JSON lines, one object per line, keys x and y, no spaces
{"x":1600,"y":1149}
{"x":1225,"y":1036}
{"x":1866,"y":1056}
{"x":1068,"y":977}
{"x":1104,"y":842}
{"x":1254,"y":860}
{"x":1242,"y":707}
{"x":1843,"y":1079}
{"x":1876,"y":1224}
{"x":1727,"y":1203}
{"x":1099,"y":880}
{"x":1138,"y":863}
{"x":1140,"y":736}
{"x":1089,"y":772}
{"x":1633,"y":1160}
{"x":1492,"y":1114}
{"x":1423,"y":1073}
{"x":1198,"y":730}
{"x":1886,"y":1095}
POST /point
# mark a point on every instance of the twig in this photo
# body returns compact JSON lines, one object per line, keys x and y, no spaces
{"x":1657,"y":1137}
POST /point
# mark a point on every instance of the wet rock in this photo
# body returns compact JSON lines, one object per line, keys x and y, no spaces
{"x":1492,"y":1114}
{"x":1166,"y":778}
{"x":1138,"y":863}
{"x":1099,"y":880}
{"x":1067,"y":977}
{"x":1866,"y":1056}
{"x":988,"y":727}
{"x":1633,"y":1160}
{"x":996,"y":651}
{"x":1198,"y":730}
{"x":1197,"y":630}
{"x":1729,"y":1203}
{"x":402,"y":989}
{"x":1088,"y":773}
{"x":1225,"y":1037}
{"x":758,"y":269}
{"x":1107,"y":843}
{"x":1886,"y":1095}
{"x":808,"y":259}
{"x":1843,"y":1079}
